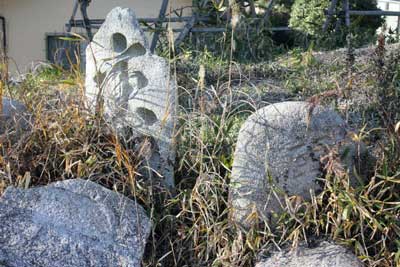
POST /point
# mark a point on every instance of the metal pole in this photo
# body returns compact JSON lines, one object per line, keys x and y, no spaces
{"x":4,"y":62}
{"x":161,"y":16}
{"x":86,"y":20}
{"x":188,"y":27}
{"x":346,"y":8}
{"x":253,"y":8}
{"x":3,"y":27}
{"x":374,"y":13}
{"x":398,"y":27}
{"x":330,"y":14}
{"x":69,"y":27}
{"x":269,"y":9}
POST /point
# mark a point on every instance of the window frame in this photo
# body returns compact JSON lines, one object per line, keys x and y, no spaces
{"x":49,"y":58}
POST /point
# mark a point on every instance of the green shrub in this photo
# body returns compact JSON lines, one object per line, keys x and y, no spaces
{"x":309,"y":17}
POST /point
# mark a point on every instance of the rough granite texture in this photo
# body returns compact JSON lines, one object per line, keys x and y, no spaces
{"x":135,"y":86}
{"x":325,"y":254}
{"x":71,"y":223}
{"x":278,"y":152}
{"x":13,"y":117}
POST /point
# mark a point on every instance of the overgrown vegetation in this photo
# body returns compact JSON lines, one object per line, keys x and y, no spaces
{"x":191,"y":227}
{"x":309,"y":17}
{"x":254,"y":29}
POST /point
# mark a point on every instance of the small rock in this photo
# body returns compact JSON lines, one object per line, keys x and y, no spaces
{"x":71,"y":223}
{"x":325,"y":254}
{"x":278,"y":153}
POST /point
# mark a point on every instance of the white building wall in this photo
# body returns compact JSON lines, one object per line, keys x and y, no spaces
{"x":28,"y":22}
{"x":390,"y":5}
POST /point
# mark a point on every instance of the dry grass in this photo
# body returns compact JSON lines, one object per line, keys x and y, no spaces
{"x":192,"y":226}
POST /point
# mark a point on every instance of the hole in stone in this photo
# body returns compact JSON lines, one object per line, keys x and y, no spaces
{"x":122,"y":67}
{"x":119,"y":42}
{"x":138,"y":81}
{"x":122,"y":88}
{"x":136,"y":50}
{"x":148,"y":116}
{"x":139,"y":78}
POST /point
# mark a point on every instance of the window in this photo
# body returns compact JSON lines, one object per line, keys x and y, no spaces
{"x":64,"y":50}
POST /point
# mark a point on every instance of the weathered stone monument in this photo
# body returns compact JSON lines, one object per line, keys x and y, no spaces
{"x":278,"y":153}
{"x":71,"y":223}
{"x":133,"y":87}
{"x":326,"y":254}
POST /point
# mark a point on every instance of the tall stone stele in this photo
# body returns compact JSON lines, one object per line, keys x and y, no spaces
{"x":279,"y":153}
{"x":133,"y":88}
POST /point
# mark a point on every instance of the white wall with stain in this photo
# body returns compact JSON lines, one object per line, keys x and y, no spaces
{"x":28,"y":22}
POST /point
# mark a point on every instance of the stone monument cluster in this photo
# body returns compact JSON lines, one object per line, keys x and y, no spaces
{"x":79,"y":223}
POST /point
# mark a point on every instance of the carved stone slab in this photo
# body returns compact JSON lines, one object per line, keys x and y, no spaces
{"x":133,"y":86}
{"x":278,"y":153}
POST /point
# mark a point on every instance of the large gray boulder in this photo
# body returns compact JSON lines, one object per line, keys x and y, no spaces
{"x":326,"y":254}
{"x":278,"y":154}
{"x":71,"y":223}
{"x":14,"y":116}
{"x":134,"y":88}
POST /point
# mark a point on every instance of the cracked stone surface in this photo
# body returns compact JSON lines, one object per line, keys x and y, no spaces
{"x":326,"y":254}
{"x":71,"y":223}
{"x":278,"y":153}
{"x":134,"y":86}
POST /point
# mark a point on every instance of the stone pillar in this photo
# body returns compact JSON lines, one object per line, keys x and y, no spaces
{"x":133,"y":87}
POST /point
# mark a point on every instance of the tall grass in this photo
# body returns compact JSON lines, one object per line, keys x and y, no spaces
{"x":192,"y":226}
